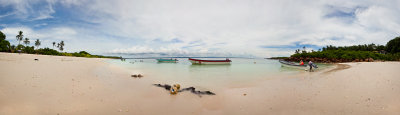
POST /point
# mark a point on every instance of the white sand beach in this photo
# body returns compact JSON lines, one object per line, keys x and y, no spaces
{"x":60,"y":85}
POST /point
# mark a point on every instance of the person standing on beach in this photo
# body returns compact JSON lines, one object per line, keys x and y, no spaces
{"x":310,"y":63}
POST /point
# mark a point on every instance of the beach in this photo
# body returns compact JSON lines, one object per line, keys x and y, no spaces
{"x":60,"y":85}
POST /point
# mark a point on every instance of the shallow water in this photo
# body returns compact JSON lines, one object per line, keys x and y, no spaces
{"x":240,"y":72}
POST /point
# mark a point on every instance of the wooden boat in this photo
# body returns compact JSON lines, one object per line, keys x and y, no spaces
{"x":293,"y":65}
{"x":198,"y":61}
{"x":167,"y":60}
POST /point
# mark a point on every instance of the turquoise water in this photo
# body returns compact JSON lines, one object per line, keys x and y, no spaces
{"x":240,"y":71}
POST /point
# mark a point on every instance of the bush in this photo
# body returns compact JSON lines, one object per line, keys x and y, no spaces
{"x":20,"y":47}
{"x":47,"y":51}
{"x":393,"y":46}
{"x":348,"y":55}
{"x":29,"y":50}
{"x":84,"y":52}
{"x":4,"y":46}
{"x":66,"y":54}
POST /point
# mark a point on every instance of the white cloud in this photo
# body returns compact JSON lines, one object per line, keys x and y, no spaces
{"x":29,"y":9}
{"x":226,"y":27}
{"x":245,"y":25}
{"x":61,"y":33}
{"x":75,"y":39}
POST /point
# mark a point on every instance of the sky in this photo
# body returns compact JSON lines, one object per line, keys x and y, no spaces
{"x":220,"y":28}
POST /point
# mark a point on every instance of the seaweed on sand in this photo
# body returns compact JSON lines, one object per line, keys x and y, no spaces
{"x":191,"y":89}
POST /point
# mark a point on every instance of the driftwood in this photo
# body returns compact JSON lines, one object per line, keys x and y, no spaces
{"x":166,"y":86}
{"x":135,"y":76}
{"x":191,"y":89}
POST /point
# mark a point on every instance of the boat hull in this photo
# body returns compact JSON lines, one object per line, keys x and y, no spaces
{"x":216,"y":63}
{"x":297,"y":67}
{"x":287,"y":64}
{"x":210,"y":62}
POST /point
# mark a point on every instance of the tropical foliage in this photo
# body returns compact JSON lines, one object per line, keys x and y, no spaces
{"x":19,"y":37}
{"x":393,"y":46}
{"x":365,"y":47}
{"x":348,"y":55}
{"x":4,"y":44}
{"x":357,"y":52}
{"x":37,"y":43}
{"x":61,"y":45}
{"x":6,"y":47}
{"x":28,"y":49}
{"x":47,"y":51}
{"x":54,"y":44}
{"x":26,"y":41}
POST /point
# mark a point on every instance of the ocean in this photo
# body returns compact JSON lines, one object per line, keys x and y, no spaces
{"x":241,"y":71}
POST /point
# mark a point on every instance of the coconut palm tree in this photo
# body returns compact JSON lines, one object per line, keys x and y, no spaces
{"x":19,"y":37}
{"x":62,"y":45}
{"x":37,"y":43}
{"x":26,"y":41}
{"x":54,"y":44}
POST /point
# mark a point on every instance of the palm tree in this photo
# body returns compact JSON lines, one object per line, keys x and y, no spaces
{"x":54,"y":44}
{"x":26,"y":41}
{"x":37,"y":43}
{"x":62,"y":45}
{"x":19,"y":37}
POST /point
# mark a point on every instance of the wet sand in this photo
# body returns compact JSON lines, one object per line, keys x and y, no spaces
{"x":72,"y":86}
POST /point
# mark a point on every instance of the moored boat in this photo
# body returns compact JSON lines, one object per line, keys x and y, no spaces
{"x":199,"y":61}
{"x":292,"y":65}
{"x":167,"y":60}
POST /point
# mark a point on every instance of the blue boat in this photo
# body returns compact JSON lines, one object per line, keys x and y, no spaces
{"x":167,"y":60}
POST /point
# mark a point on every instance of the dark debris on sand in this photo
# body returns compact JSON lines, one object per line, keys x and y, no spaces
{"x":191,"y":89}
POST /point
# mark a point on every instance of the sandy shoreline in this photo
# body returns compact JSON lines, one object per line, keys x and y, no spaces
{"x":71,"y":85}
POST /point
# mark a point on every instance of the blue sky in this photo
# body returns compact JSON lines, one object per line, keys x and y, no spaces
{"x":255,"y":28}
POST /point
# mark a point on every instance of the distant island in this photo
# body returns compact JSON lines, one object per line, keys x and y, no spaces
{"x":355,"y":53}
{"x":5,"y":46}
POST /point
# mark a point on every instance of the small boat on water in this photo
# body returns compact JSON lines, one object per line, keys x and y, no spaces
{"x":292,"y":65}
{"x":199,"y":61}
{"x":295,"y":65}
{"x":167,"y":60}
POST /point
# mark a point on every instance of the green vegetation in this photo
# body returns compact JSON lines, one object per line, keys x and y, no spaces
{"x":47,"y":51}
{"x":389,"y":52}
{"x":37,"y":43}
{"x":19,"y":37}
{"x":28,"y":49}
{"x":278,"y":58}
{"x":4,"y":44}
{"x":60,"y":45}
{"x":347,"y":55}
{"x":6,"y":47}
{"x":365,"y":47}
{"x":393,"y":46}
{"x":26,"y":41}
{"x":54,"y":44}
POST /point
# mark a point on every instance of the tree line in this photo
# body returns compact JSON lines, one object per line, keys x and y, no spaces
{"x":365,"y":47}
{"x":5,"y":46}
{"x":26,"y":41}
{"x":390,"y":51}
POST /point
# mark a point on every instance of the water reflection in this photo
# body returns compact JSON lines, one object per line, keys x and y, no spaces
{"x":216,"y":68}
{"x":167,"y":62}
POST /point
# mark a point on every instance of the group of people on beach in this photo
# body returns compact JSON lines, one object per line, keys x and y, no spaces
{"x":310,"y":63}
